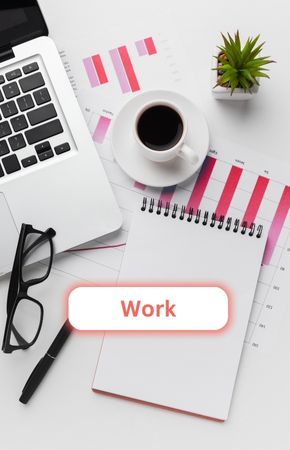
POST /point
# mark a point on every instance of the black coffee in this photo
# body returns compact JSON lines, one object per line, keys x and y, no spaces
{"x":160,"y":127}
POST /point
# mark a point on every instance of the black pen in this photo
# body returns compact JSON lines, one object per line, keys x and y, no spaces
{"x":44,"y":364}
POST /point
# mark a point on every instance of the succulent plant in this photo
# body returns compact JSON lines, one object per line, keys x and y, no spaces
{"x":240,"y":67}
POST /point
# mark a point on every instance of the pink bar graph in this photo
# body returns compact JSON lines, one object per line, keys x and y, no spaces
{"x":228,"y":191}
{"x":101,"y":129}
{"x":167,"y":194}
{"x":100,"y":70}
{"x":150,"y":46}
{"x":141,"y":47}
{"x":120,"y":71}
{"x":140,"y":186}
{"x":255,"y":200}
{"x":277,"y":224}
{"x":129,"y":69}
{"x":146,"y":47}
{"x":91,"y":73}
{"x":201,"y":184}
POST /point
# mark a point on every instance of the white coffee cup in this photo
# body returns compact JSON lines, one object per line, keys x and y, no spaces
{"x":179,"y":148}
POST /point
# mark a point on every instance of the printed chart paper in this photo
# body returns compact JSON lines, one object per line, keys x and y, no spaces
{"x":232,"y":180}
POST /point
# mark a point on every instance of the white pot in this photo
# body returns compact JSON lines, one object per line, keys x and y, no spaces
{"x":222,"y":93}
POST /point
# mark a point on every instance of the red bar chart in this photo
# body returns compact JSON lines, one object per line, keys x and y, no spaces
{"x":146,"y":47}
{"x":101,"y":129}
{"x":128,"y":67}
{"x":124,"y":63}
{"x":167,"y":194}
{"x":98,"y":65}
{"x":255,"y":200}
{"x":228,"y":191}
{"x":277,"y":224}
{"x":140,"y":186}
{"x":230,"y":187}
{"x":124,"y":69}
{"x":257,"y":196}
{"x":95,"y":70}
{"x":201,"y":184}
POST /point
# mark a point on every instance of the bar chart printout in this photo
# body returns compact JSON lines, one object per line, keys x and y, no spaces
{"x":257,"y":196}
{"x":230,"y":186}
{"x":255,"y":200}
{"x":123,"y":66}
{"x":95,"y":70}
{"x":167,"y":194}
{"x":101,"y":129}
{"x":140,"y":186}
{"x":277,"y":225}
{"x":228,"y":191}
{"x":220,"y":183}
{"x":146,"y":47}
{"x":201,"y":184}
{"x":124,"y":69}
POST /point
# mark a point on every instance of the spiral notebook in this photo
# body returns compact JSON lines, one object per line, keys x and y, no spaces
{"x":192,"y":372}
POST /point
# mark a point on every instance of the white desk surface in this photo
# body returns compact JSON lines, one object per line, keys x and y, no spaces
{"x":65,"y":413}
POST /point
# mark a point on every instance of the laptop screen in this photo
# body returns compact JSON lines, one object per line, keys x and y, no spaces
{"x":10,"y":18}
{"x":20,"y":21}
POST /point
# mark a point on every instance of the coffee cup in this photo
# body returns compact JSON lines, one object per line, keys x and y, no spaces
{"x":160,"y":130}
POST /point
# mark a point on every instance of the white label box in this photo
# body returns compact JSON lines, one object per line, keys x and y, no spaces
{"x":148,"y":308}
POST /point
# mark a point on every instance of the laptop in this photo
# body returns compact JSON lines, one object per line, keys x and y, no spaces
{"x":50,"y":172}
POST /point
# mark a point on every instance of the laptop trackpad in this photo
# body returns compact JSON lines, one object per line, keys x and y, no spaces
{"x":8,"y":237}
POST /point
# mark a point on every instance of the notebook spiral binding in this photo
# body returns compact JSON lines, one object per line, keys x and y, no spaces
{"x":228,"y":223}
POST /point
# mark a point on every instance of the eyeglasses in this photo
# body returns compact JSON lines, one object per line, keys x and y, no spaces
{"x":24,"y":313}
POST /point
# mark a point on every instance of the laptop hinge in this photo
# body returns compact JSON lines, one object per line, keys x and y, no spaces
{"x":6,"y":53}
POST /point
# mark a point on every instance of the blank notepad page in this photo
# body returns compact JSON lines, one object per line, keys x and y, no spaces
{"x":192,"y":372}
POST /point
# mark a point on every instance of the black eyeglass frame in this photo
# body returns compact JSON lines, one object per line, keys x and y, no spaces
{"x":18,"y":288}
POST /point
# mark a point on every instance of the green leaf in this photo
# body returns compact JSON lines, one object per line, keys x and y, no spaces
{"x":245,"y":85}
{"x":256,"y":64}
{"x":261,"y":75}
{"x":227,"y":67}
{"x":237,"y":40}
{"x":225,"y":78}
{"x":246,"y":73}
{"x":234,"y":85}
{"x":234,"y":50}
{"x":257,"y":51}
{"x":226,"y":42}
{"x":222,"y":49}
{"x":245,"y":52}
{"x":255,"y":40}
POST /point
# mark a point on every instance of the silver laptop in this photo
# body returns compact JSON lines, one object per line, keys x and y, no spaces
{"x":50,"y":173}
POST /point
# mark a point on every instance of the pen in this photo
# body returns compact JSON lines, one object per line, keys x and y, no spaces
{"x":44,"y":364}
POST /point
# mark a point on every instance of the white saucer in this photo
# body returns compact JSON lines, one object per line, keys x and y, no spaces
{"x":151,"y":173}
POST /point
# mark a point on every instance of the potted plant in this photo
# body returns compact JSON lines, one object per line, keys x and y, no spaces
{"x":237,"y":69}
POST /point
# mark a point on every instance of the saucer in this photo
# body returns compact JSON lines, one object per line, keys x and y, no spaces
{"x":152,"y":173}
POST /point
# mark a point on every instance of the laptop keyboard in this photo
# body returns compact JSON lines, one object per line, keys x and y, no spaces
{"x":28,"y":120}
